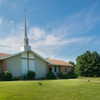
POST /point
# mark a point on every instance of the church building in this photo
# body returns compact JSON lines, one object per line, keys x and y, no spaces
{"x":20,"y":63}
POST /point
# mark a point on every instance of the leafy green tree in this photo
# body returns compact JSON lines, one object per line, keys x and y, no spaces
{"x":73,"y":67}
{"x":88,"y":64}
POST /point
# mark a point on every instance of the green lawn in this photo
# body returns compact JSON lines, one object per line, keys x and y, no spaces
{"x":72,"y":89}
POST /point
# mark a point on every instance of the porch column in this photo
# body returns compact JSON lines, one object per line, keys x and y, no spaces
{"x":47,"y":67}
{"x":3,"y":65}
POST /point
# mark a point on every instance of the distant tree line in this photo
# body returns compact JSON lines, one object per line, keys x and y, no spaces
{"x":87,"y":64}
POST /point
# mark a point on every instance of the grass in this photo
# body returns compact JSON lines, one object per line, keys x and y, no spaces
{"x":72,"y":89}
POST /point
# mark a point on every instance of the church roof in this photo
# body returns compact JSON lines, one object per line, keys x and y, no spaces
{"x":58,"y":62}
{"x":3,"y":55}
{"x":11,"y":55}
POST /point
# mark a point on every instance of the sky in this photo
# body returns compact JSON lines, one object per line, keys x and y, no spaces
{"x":59,"y":29}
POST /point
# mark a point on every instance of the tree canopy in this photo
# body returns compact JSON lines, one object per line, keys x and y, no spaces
{"x":88,"y":64}
{"x":73,"y":67}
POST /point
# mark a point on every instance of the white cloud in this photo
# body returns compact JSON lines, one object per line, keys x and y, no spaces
{"x":12,"y":42}
{"x":36,"y":33}
{"x":50,"y":43}
{"x":43,"y":42}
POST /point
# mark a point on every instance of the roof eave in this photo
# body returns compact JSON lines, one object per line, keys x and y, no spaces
{"x":23,"y":52}
{"x":61,"y":65}
{"x":12,"y":55}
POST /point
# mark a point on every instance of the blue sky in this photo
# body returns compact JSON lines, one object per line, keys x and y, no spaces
{"x":61,"y":29}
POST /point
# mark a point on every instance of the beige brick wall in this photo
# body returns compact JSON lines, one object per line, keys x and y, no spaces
{"x":61,"y":68}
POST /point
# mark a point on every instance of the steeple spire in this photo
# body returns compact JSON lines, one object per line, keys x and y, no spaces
{"x":25,"y":46}
{"x":25,"y":28}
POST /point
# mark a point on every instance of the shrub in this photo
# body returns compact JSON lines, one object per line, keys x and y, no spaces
{"x":70,"y":75}
{"x":7,"y":76}
{"x":25,"y":77}
{"x":31,"y":75}
{"x":51,"y":75}
{"x":43,"y":77}
{"x":17,"y":78}
{"x":76,"y":75}
{"x":62,"y":75}
{"x":73,"y":75}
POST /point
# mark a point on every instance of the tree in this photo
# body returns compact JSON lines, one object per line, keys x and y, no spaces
{"x":73,"y":67}
{"x":88,"y":64}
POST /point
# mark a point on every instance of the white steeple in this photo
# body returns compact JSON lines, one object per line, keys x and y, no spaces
{"x":25,"y":40}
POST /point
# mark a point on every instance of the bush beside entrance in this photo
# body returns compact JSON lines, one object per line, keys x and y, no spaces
{"x":51,"y":75}
{"x":7,"y":76}
{"x":31,"y":75}
{"x":67,"y":76}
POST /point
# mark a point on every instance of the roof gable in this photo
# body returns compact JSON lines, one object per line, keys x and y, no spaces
{"x":5,"y":57}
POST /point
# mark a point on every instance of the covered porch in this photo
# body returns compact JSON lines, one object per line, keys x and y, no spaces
{"x":57,"y":66}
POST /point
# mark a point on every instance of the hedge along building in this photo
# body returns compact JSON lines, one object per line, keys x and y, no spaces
{"x":20,"y":63}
